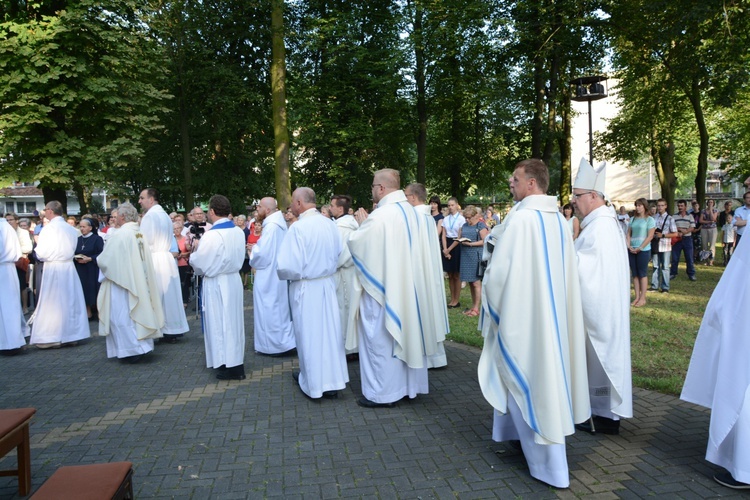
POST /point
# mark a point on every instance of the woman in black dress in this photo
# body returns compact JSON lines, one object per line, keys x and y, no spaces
{"x":90,"y":245}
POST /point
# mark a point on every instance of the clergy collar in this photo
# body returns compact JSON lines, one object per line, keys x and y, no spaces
{"x":540,"y":202}
{"x":603,"y":211}
{"x":394,"y":197}
{"x":307,"y":212}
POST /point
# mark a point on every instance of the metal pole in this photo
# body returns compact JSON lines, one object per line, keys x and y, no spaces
{"x":591,"y":137}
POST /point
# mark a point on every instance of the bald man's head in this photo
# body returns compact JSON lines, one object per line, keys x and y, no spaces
{"x":266,"y":207}
{"x":303,"y":199}
{"x":384,"y":183}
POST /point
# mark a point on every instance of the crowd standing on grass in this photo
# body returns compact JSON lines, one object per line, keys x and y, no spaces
{"x":549,"y":287}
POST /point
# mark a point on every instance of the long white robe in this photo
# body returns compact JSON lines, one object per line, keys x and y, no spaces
{"x":437,"y":287}
{"x":271,"y":319}
{"x":347,"y":283}
{"x":219,"y":259}
{"x":392,"y":253}
{"x":129,"y":303}
{"x":157,"y":227}
{"x":534,"y":357}
{"x":308,"y":259}
{"x":60,"y":315}
{"x":13,"y":327}
{"x":719,"y":372}
{"x":605,"y":294}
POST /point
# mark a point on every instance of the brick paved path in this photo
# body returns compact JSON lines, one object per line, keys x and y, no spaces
{"x":191,"y":436}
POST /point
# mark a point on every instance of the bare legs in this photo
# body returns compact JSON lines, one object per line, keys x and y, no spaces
{"x":640,"y":285}
{"x":454,"y":284}
{"x":476,"y":296}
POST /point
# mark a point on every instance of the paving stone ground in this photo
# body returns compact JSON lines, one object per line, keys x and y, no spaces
{"x":191,"y":436}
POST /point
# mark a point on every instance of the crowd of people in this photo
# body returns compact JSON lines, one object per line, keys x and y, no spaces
{"x":549,"y":289}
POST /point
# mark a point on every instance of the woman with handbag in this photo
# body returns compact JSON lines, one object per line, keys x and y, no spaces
{"x":471,"y":236}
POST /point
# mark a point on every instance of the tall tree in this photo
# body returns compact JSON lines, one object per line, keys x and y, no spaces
{"x":700,"y":47}
{"x":219,"y":136}
{"x":278,"y":89}
{"x":81,"y":91}
{"x":347,"y":107}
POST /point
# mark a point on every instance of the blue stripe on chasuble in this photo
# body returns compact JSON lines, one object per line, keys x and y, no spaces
{"x":224,"y":225}
{"x":554,"y":303}
{"x":380,"y":288}
{"x":522,"y":383}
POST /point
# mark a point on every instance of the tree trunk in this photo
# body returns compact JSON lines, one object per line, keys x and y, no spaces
{"x":56,"y":193}
{"x":549,"y":142}
{"x":83,"y":200}
{"x":700,"y":120}
{"x":188,"y":196}
{"x":564,"y":143}
{"x":663,"y":156}
{"x":278,"y":90}
{"x":420,"y":76}
{"x":538,"y":120}
{"x":455,"y":141}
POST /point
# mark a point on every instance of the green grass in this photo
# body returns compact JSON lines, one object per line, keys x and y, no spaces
{"x":662,"y":333}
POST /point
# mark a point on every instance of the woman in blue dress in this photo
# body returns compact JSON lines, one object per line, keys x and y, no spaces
{"x":474,"y":232}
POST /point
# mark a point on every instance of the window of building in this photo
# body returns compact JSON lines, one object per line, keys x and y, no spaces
{"x":30,"y":207}
{"x":10,"y":206}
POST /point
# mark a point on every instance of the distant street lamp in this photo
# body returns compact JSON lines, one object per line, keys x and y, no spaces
{"x":590,"y":88}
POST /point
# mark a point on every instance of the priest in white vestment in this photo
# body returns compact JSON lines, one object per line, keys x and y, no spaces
{"x":60,"y":316}
{"x":604,"y":273}
{"x":272,"y":321}
{"x":157,"y":227}
{"x":348,"y":287}
{"x":416,"y":195}
{"x":533,"y":364}
{"x":129,"y":303}
{"x":219,"y":258}
{"x":399,"y":320}
{"x":13,"y":327}
{"x":719,"y":372}
{"x":308,"y":259}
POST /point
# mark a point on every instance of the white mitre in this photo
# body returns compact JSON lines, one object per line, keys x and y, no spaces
{"x":589,"y":178}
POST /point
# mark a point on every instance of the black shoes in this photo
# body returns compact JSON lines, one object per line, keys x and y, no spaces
{"x":726,"y":479}
{"x":602,"y":425}
{"x":366,"y":403}
{"x":326,"y":394}
{"x":233,"y":373}
{"x":285,"y":354}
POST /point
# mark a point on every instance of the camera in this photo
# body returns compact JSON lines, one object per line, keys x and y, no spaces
{"x":197,"y":230}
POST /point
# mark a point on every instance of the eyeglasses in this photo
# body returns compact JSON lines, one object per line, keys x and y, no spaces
{"x":573,"y":196}
{"x":376,"y":185}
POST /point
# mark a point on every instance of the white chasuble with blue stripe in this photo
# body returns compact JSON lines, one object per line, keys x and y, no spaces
{"x":534,"y":347}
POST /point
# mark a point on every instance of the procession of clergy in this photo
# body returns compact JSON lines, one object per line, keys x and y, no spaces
{"x":555,"y":314}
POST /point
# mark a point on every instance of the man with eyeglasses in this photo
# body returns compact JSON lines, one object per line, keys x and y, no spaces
{"x":60,"y":317}
{"x":13,"y":328}
{"x":397,"y":308}
{"x":662,"y":259}
{"x":604,"y":273}
{"x":533,"y":364}
{"x":741,"y":216}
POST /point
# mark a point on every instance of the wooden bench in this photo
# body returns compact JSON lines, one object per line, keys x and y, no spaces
{"x":89,"y":482}
{"x":14,"y":433}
